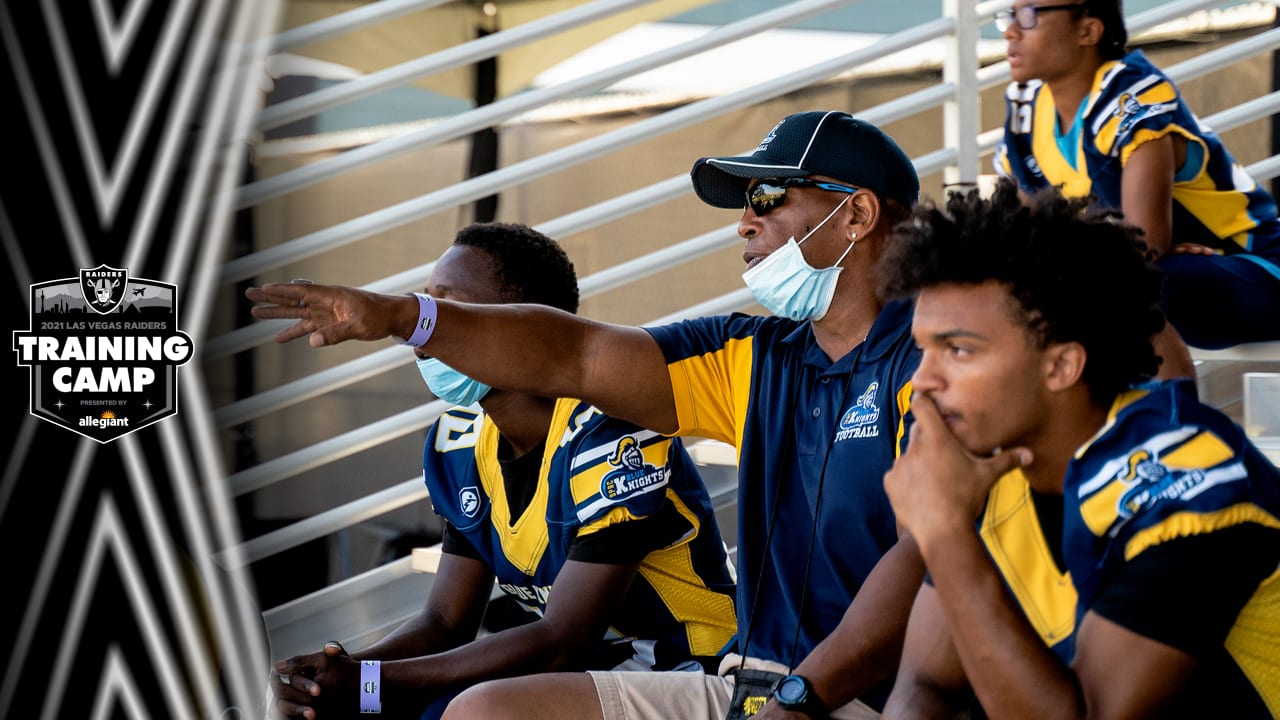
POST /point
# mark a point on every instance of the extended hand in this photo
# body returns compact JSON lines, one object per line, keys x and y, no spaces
{"x":1190,"y":248}
{"x":331,"y":314}
{"x":310,"y":683}
{"x":937,"y":487}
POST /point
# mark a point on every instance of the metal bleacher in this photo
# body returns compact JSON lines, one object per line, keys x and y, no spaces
{"x":367,"y":598}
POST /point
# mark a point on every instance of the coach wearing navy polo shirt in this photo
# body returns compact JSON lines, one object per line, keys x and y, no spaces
{"x":813,"y":396}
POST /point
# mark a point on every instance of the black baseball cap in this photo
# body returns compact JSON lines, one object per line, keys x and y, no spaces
{"x":830,"y":143}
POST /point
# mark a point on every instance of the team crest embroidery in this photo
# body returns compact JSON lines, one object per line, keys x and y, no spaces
{"x":104,"y":349}
{"x":1131,"y":111}
{"x":1150,"y":482}
{"x":633,"y":475}
{"x":764,"y":144}
{"x":469,"y":500}
{"x":861,"y":419}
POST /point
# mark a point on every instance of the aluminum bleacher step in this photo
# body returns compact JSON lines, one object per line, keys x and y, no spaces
{"x":1262,"y":411}
{"x":1270,"y":446}
{"x":1249,"y":352}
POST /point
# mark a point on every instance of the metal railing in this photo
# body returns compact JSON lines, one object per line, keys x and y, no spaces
{"x":964,"y":143}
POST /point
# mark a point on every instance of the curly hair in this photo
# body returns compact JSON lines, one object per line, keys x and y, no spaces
{"x":532,"y":267}
{"x":893,"y":213}
{"x":1076,"y":274}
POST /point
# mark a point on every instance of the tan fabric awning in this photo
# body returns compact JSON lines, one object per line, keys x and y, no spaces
{"x":412,"y":36}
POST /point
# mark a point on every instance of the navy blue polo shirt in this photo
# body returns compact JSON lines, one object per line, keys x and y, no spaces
{"x":814,"y":438}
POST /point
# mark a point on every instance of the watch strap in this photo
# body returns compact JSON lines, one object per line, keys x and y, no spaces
{"x":809,"y":704}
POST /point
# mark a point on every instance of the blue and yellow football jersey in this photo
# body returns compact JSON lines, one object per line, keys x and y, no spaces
{"x":1171,"y":528}
{"x":596,"y":472}
{"x":814,"y":437}
{"x":1216,"y":203}
{"x":1023,"y":552}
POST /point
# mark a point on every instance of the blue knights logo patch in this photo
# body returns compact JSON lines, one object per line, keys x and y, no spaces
{"x":1152,"y":482}
{"x":1131,"y":111}
{"x":634,"y":476}
{"x":861,"y":419}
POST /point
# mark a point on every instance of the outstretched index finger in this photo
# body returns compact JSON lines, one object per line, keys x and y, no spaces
{"x":286,"y":295}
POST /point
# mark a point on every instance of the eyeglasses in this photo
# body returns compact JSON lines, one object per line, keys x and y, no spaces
{"x":767,"y":195}
{"x":1028,"y":16}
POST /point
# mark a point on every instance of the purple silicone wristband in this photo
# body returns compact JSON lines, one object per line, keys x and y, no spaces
{"x":426,"y":321}
{"x":370,"y":686}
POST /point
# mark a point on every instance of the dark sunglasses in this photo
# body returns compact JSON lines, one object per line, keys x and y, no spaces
{"x":766,"y":195}
{"x":1028,"y":16}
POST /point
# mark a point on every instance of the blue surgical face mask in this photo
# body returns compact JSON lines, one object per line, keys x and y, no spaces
{"x":449,"y":384}
{"x":787,"y":285}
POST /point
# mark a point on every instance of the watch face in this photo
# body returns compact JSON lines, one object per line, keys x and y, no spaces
{"x":791,"y":690}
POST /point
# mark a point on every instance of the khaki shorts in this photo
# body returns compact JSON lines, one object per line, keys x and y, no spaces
{"x":667,"y":695}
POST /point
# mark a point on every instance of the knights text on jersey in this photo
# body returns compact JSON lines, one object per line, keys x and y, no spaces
{"x":813,"y":437}
{"x":596,"y":471}
{"x":1132,"y":102}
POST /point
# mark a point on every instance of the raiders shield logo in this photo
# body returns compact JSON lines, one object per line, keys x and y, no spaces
{"x":103,"y":288}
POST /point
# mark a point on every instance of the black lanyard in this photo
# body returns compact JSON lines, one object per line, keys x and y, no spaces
{"x":813,"y":533}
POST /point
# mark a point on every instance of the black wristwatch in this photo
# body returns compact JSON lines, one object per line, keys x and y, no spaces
{"x":795,"y":693}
